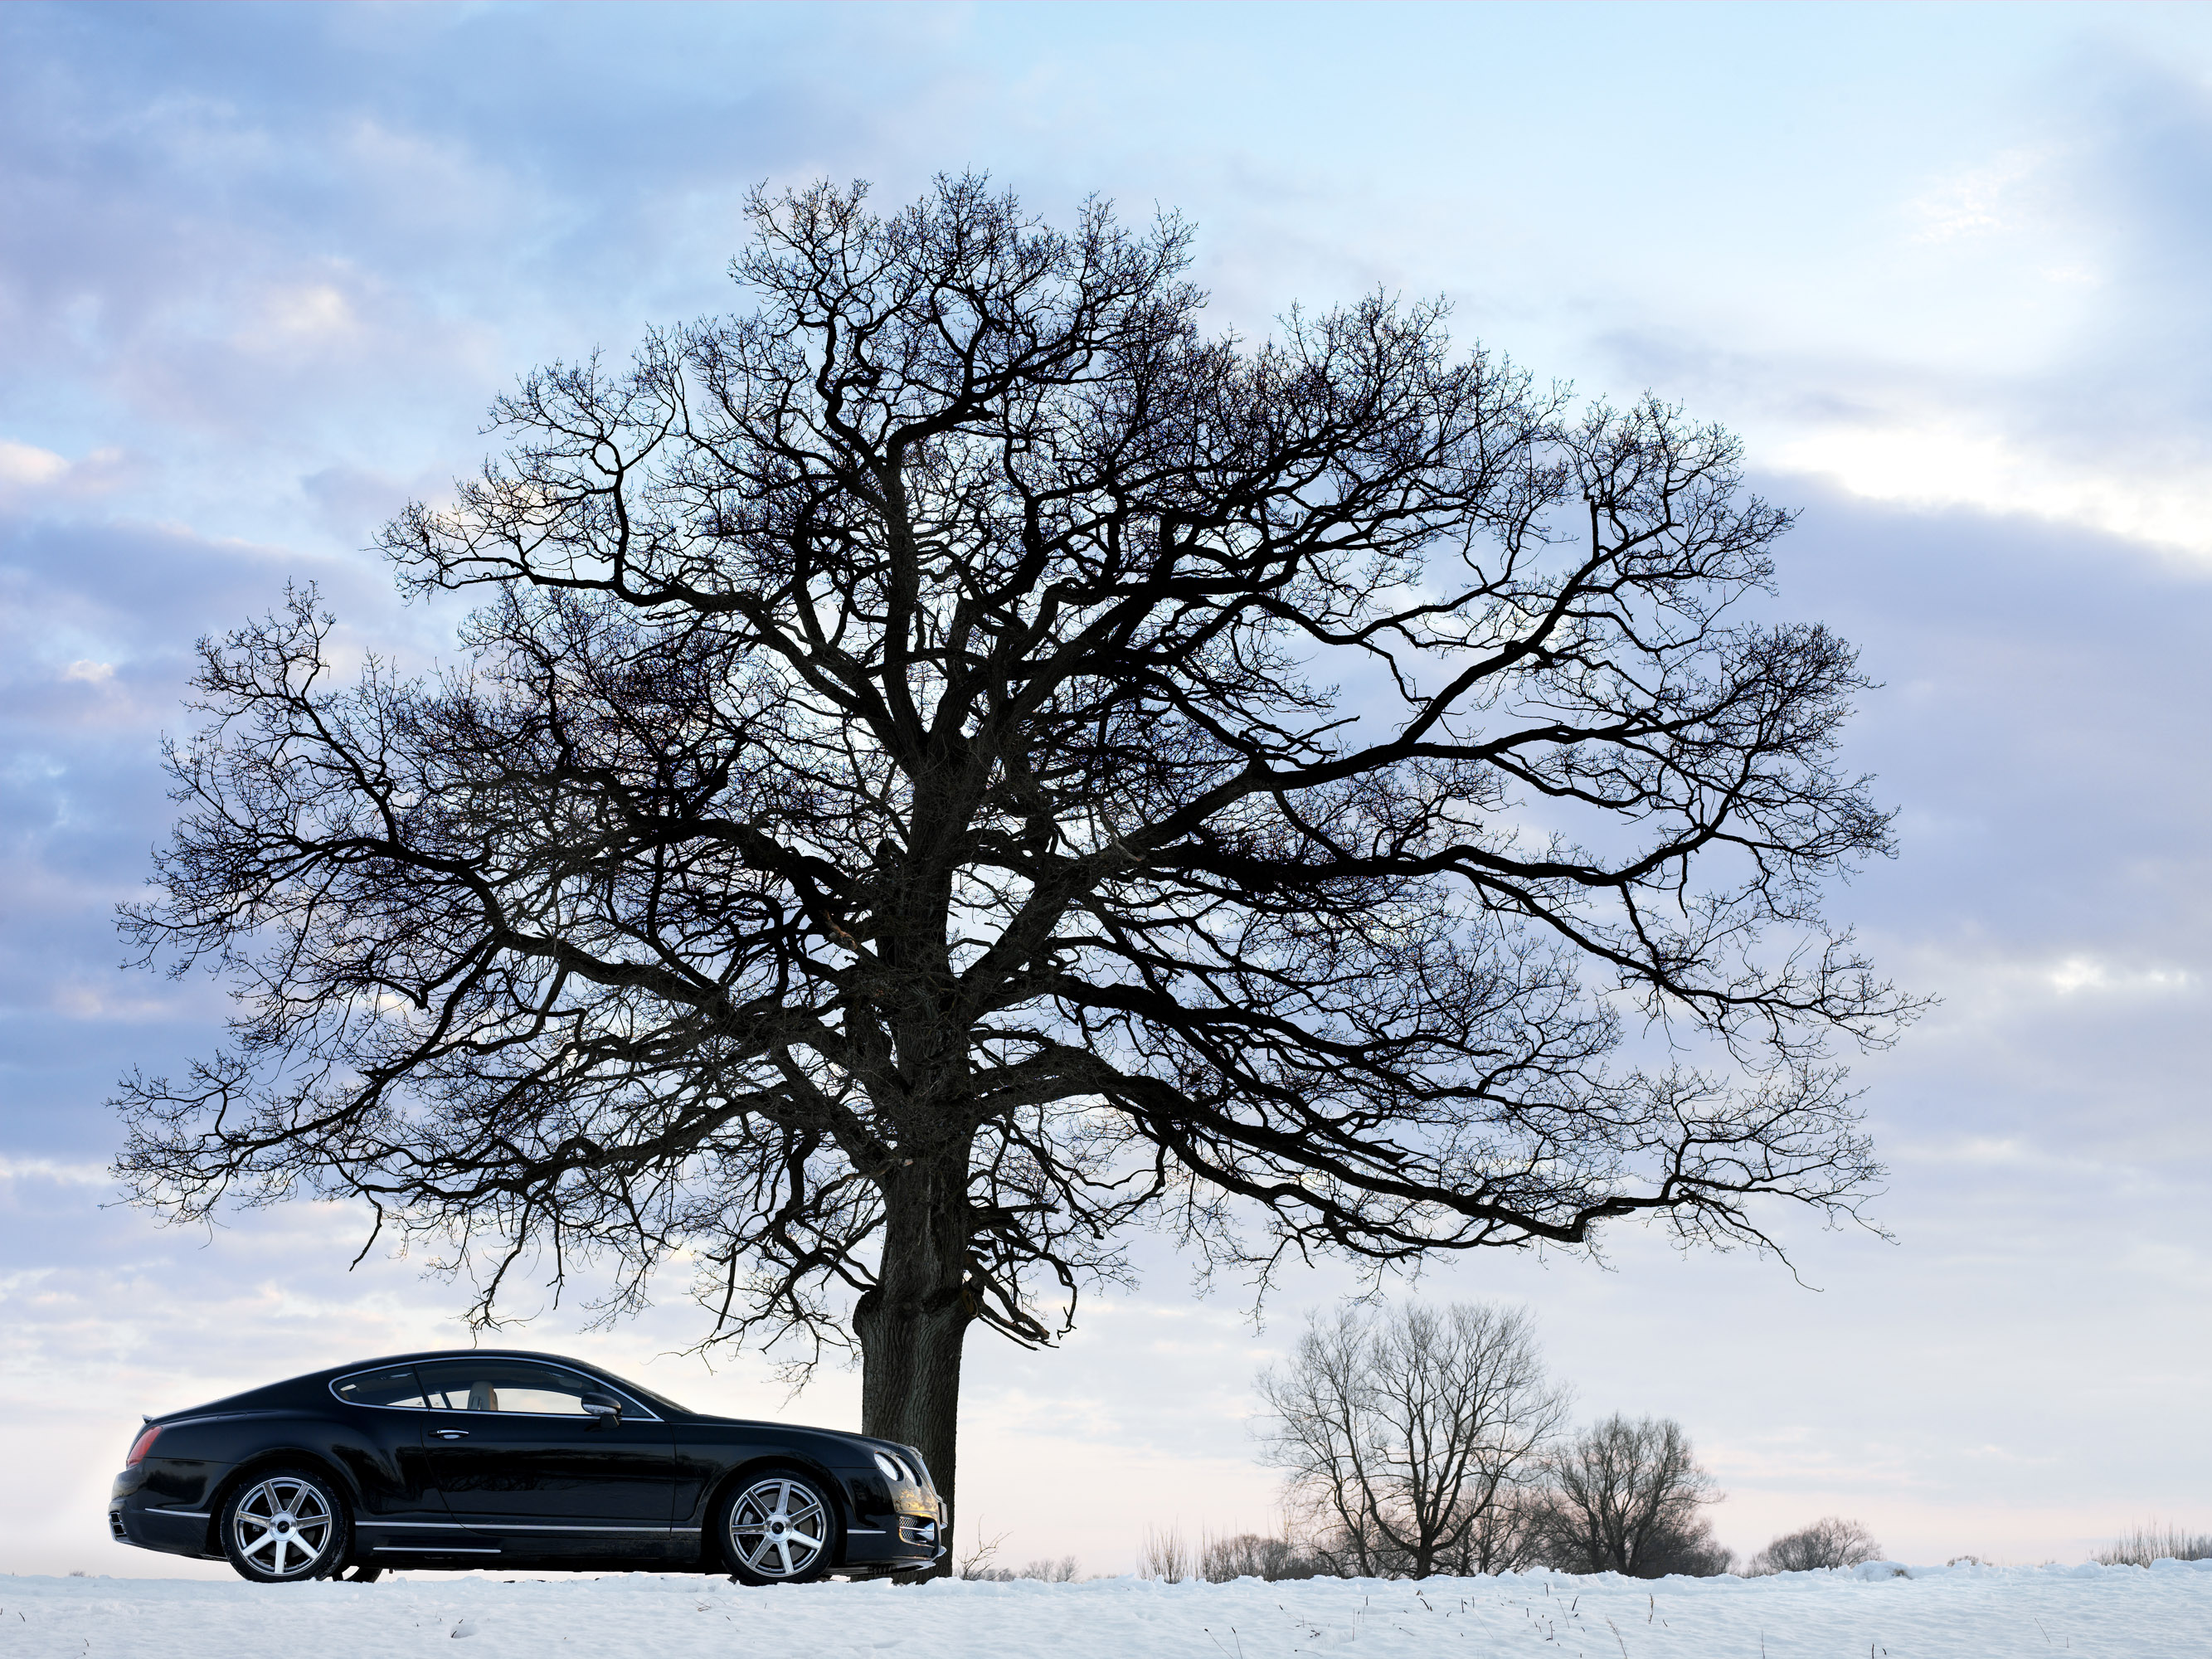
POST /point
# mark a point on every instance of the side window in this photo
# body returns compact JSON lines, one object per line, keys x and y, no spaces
{"x":397,"y":1386}
{"x":507,"y":1385}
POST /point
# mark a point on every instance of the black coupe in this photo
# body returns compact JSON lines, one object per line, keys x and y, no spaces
{"x":480,"y":1458}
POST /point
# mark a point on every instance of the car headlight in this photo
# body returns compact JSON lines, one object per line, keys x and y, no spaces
{"x":893,"y":1468}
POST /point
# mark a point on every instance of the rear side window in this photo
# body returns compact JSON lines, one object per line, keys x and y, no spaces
{"x":507,"y":1385}
{"x":397,"y":1385}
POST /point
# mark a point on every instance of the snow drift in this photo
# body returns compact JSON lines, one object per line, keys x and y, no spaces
{"x":1963,"y":1613}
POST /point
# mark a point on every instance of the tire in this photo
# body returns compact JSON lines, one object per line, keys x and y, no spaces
{"x":777,"y":1527}
{"x":285,"y":1526}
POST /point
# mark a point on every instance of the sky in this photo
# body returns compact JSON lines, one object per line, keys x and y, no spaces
{"x":262,"y":269}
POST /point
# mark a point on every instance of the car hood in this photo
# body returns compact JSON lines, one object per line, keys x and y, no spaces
{"x":767,"y":1429}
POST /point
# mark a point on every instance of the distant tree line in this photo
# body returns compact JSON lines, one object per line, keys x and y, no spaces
{"x":1422,"y":1440}
{"x":1828,"y":1543}
{"x":2141,"y":1546}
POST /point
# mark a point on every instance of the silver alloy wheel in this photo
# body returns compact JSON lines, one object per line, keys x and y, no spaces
{"x":282,"y":1518}
{"x":779,"y":1528}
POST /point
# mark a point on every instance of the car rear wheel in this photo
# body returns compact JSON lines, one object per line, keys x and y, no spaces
{"x":283,"y":1526}
{"x":778,"y":1528}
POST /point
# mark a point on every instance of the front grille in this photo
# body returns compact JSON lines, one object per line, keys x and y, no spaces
{"x":923,"y":1532}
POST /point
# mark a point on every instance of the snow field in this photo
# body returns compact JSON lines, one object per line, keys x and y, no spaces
{"x":1967,"y":1613}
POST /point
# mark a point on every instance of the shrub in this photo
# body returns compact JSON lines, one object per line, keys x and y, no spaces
{"x":1829,"y":1542}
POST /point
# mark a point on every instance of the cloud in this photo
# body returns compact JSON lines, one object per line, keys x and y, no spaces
{"x":303,"y":315}
{"x":2030,"y":339}
{"x":30,"y":474}
{"x":1981,"y":199}
{"x":2089,"y":975}
{"x":1934,"y":457}
{"x":55,"y":1171}
{"x":27,"y":464}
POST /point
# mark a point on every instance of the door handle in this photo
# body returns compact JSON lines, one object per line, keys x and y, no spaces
{"x":451,"y":1434}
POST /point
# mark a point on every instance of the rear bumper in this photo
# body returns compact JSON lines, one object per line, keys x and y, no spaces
{"x":160,"y":1504}
{"x":172,"y":1531}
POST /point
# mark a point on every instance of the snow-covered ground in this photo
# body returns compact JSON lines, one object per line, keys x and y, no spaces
{"x":1967,"y":1613}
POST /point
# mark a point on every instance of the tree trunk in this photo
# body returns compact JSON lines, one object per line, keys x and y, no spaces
{"x":912,"y":1324}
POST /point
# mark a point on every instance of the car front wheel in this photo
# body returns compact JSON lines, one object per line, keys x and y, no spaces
{"x":778,"y":1528}
{"x":283,"y":1526}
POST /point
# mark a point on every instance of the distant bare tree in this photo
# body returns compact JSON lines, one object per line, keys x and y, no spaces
{"x":1403,"y":1433}
{"x":1625,"y":1497}
{"x":1164,"y":1555}
{"x":1506,"y":1535}
{"x":1829,"y":1542}
{"x":980,"y":1564}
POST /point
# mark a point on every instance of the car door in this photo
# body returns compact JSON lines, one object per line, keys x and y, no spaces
{"x":398,"y":1510}
{"x":515,"y":1452}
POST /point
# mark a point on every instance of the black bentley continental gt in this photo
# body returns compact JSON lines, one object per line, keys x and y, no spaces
{"x":481,"y":1458}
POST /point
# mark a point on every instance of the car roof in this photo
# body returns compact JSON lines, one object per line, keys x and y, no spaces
{"x":464,"y":1353}
{"x":658,"y":1401}
{"x":286,"y":1390}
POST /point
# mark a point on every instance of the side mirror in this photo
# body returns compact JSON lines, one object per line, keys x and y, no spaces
{"x":601,"y":1407}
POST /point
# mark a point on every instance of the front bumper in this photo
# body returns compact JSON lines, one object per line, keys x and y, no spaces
{"x":903,"y":1544}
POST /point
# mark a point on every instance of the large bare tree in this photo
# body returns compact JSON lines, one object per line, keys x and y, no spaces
{"x":954,"y":760}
